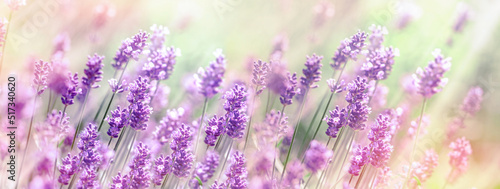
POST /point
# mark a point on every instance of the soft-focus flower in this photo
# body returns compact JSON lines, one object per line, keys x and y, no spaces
{"x":472,"y":102}
{"x":88,"y":179}
{"x":272,"y":129}
{"x":335,"y":87}
{"x":348,"y":49}
{"x":358,"y":160}
{"x":337,"y":119}
{"x":62,"y":43}
{"x":383,"y":178}
{"x":158,"y":33}
{"x":130,"y":49}
{"x":168,"y":125}
{"x":209,"y":80}
{"x":463,"y":15}
{"x":217,"y":185}
{"x":429,"y":81}
{"x":139,"y":116}
{"x":162,"y":167}
{"x":139,"y":167}
{"x":293,"y":176}
{"x":118,"y":119}
{"x":214,"y":129}
{"x":3,"y":31}
{"x":312,"y":72}
{"x":277,"y":78}
{"x":42,"y":70}
{"x":259,"y":73}
{"x":93,"y":73}
{"x":317,"y":156}
{"x":161,"y":63}
{"x":459,"y":156}
{"x":290,"y":89}
{"x":68,"y":167}
{"x":379,"y":63}
{"x":412,"y":130}
{"x":117,"y":87}
{"x":206,"y":169}
{"x":424,"y":169}
{"x":359,"y":115}
{"x":15,"y":4}
{"x":356,"y":91}
{"x":55,"y":128}
{"x":72,"y":90}
{"x":381,"y":153}
{"x":376,"y":37}
{"x":237,"y":173}
{"x":235,"y":106}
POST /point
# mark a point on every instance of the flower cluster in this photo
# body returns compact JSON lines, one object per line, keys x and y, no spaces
{"x":68,"y":167}
{"x":93,"y":73}
{"x":214,"y":129}
{"x":205,"y":170}
{"x":161,"y":168}
{"x":379,"y":64}
{"x":429,"y":81}
{"x":161,"y":63}
{"x":42,"y":70}
{"x":337,"y":119}
{"x":72,"y":90}
{"x":348,"y":49}
{"x":312,"y":72}
{"x":182,"y":157}
{"x":472,"y":102}
{"x":139,"y":168}
{"x":117,"y":87}
{"x":131,"y":48}
{"x":259,"y":75}
{"x":359,"y":159}
{"x":138,"y":97}
{"x":317,"y":156}
{"x":459,"y":155}
{"x":237,"y":173}
{"x":118,"y":120}
{"x":209,"y":80}
{"x":235,"y":106}
{"x":290,"y":89}
{"x":168,"y":124}
{"x":424,"y":169}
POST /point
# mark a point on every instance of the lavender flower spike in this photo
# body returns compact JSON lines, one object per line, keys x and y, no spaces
{"x":312,"y":73}
{"x":237,"y":173}
{"x":93,"y":73}
{"x":68,"y":168}
{"x":162,"y":167}
{"x":139,"y":168}
{"x":183,"y":158}
{"x":120,"y":182}
{"x":204,"y":171}
{"x":359,"y":159}
{"x":459,"y":156}
{"x":429,"y":81}
{"x":214,"y":129}
{"x":317,"y":156}
{"x":379,"y":63}
{"x":290,"y":89}
{"x":118,"y":119}
{"x":161,"y":63}
{"x":209,"y":80}
{"x":235,"y":106}
{"x":472,"y":102}
{"x":130,"y":49}
{"x":72,"y":90}
{"x":42,"y":70}
{"x":337,"y":119}
{"x":259,"y":73}
{"x":116,"y":87}
{"x":348,"y":49}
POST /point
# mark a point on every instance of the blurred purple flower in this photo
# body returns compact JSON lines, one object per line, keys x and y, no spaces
{"x":162,"y":167}
{"x":206,"y":169}
{"x":472,"y":102}
{"x":359,"y":115}
{"x":381,"y":153}
{"x":317,"y":156}
{"x":260,"y":73}
{"x":237,"y":173}
{"x":312,"y":72}
{"x":209,"y":80}
{"x":294,"y":174}
{"x":376,"y":37}
{"x":290,"y":89}
{"x":334,"y":86}
{"x":168,"y":125}
{"x":130,"y":49}
{"x":120,"y":182}
{"x":459,"y":156}
{"x":117,"y":87}
{"x":138,"y":90}
{"x":54,"y":128}
{"x":88,"y":179}
{"x":72,"y":90}
{"x":430,"y":80}
{"x":158,"y":34}
{"x":425,"y":168}
{"x":358,"y":160}
{"x":42,"y":70}
{"x":161,"y":63}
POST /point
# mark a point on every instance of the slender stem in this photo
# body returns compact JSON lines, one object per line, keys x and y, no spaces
{"x":250,"y":120}
{"x":310,"y":124}
{"x":415,"y":141}
{"x":348,"y":150}
{"x":373,"y":93}
{"x":294,"y":134}
{"x":360,"y":176}
{"x":307,"y":182}
{"x":106,"y":112}
{"x":81,"y":119}
{"x":5,"y":44}
{"x":103,"y":100}
{"x":27,"y":139}
{"x":130,"y":149}
{"x":200,"y":124}
{"x":276,"y":151}
{"x":50,"y":102}
{"x":268,"y":100}
{"x":225,"y":159}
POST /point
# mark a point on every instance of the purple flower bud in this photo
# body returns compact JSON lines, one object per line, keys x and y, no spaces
{"x":381,"y":153}
{"x":138,"y":90}
{"x":158,"y":34}
{"x":68,"y":168}
{"x":376,"y":38}
{"x":205,"y":170}
{"x":312,"y":73}
{"x":359,"y":115}
{"x":161,"y":63}
{"x":379,"y":63}
{"x":168,"y":125}
{"x":459,"y":155}
{"x":183,"y":161}
{"x":235,"y":106}
{"x":181,"y":138}
{"x":120,"y":182}
{"x":130,"y":49}
{"x":161,"y":168}
{"x":93,"y":73}
{"x":356,"y":91}
{"x":72,"y":90}
{"x":54,"y":128}
{"x":88,"y":179}
{"x":358,"y":160}
{"x":139,"y":116}
{"x":118,"y":119}
{"x":294,"y":174}
{"x":290,"y":90}
{"x":209,"y":80}
{"x":116,"y":87}
{"x":139,"y":168}
{"x":380,"y":130}
{"x":214,"y":129}
{"x":472,"y":102}
{"x":337,"y":119}
{"x":348,"y":49}
{"x":260,"y":72}
{"x":317,"y":156}
{"x":42,"y":70}
{"x":430,"y":80}
{"x":237,"y":173}
{"x":334,"y":86}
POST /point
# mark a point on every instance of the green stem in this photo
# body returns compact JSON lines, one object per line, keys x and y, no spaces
{"x":448,"y":178}
{"x":81,"y":119}
{"x":415,"y":142}
{"x":102,"y":102}
{"x":200,"y":124}
{"x":294,"y":134}
{"x":106,"y":112}
{"x":250,"y":121}
{"x":310,"y":124}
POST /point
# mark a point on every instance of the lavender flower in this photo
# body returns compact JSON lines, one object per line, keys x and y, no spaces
{"x":294,"y":174}
{"x":158,"y":34}
{"x":356,"y":91}
{"x":139,"y":116}
{"x":260,"y":72}
{"x":72,"y":90}
{"x":358,"y":160}
{"x":117,"y":87}
{"x":168,"y":124}
{"x":359,"y":115}
{"x":472,"y":102}
{"x":162,"y":167}
{"x":3,"y":30}
{"x":376,"y":38}
{"x":161,"y":63}
{"x":381,"y":153}
{"x":89,"y":145}
{"x":317,"y":156}
{"x":139,"y":168}
{"x":15,"y":4}
{"x":235,"y":111}
{"x":312,"y":73}
{"x":130,"y":49}
{"x":88,"y":179}
{"x":334,"y":86}
{"x":68,"y":167}
{"x":93,"y":73}
{"x":183,"y":161}
{"x":181,"y":138}
{"x":463,"y":15}
{"x":379,"y":63}
{"x":237,"y":173}
{"x":214,"y":129}
{"x":459,"y":155}
{"x":118,"y":119}
{"x":424,"y":169}
{"x":209,"y":80}
{"x":430,"y":80}
{"x":217,"y":185}
{"x":290,"y":89}
{"x":205,"y":170}
{"x":138,"y":90}
{"x":379,"y":130}
{"x":120,"y":182}
{"x":276,"y":78}
{"x":337,"y":119}
{"x":55,"y":128}
{"x":42,"y":70}
{"x":348,"y":49}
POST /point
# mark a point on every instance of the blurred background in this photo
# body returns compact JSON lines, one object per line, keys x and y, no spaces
{"x":467,"y":31}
